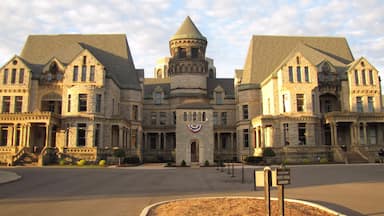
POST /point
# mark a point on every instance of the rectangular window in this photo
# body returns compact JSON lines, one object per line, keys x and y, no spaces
{"x":215,"y":118}
{"x":13,"y":76}
{"x":359,"y":104}
{"x":219,"y":98}
{"x":18,"y":104}
{"x":5,"y":77}
{"x":135,"y":112}
{"x":298,"y":71}
{"x":92,"y":73}
{"x":372,"y":135}
{"x":362,"y":140}
{"x":6,"y":104}
{"x":245,"y":138}
{"x":157,"y":98}
{"x":223,"y":118}
{"x":285,"y":134}
{"x":371,"y":77}
{"x":21,"y":76}
{"x":245,"y":111}
{"x":97,"y":135}
{"x":75,"y":73}
{"x":84,"y":60}
{"x":3,"y":136}
{"x":185,"y":116}
{"x":195,"y":52}
{"x":98,"y":103}
{"x":82,"y":103}
{"x":302,"y":132}
{"x":69,"y":103}
{"x":163,"y":118}
{"x":83,"y":73}
{"x":356,"y":77}
{"x":363,"y":77}
{"x":182,"y":52}
{"x":290,"y":73}
{"x":153,"y":118}
{"x":306,"y":74}
{"x":300,"y":102}
{"x":371,"y":106}
{"x":81,"y":134}
{"x":174,"y":117}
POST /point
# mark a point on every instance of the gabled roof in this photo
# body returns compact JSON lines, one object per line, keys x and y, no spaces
{"x":19,"y":58}
{"x":188,"y":30}
{"x":225,"y":83}
{"x":353,"y":64}
{"x":111,"y":50}
{"x":266,"y":53}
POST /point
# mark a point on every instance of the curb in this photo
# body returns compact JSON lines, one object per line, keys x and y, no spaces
{"x":147,"y":209}
{"x":9,"y":177}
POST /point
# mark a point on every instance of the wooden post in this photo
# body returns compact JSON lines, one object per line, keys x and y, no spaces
{"x":281,"y":199}
{"x":267,"y":192}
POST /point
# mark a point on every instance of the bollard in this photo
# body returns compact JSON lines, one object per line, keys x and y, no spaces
{"x":222,"y":166}
{"x":229,"y":169}
{"x":217,"y":165}
{"x":242,"y":173}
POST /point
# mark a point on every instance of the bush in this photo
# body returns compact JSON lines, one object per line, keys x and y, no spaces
{"x":268,"y":152}
{"x":62,"y":162}
{"x":119,"y":153}
{"x":81,"y":162}
{"x":183,"y":164}
{"x":323,"y":160}
{"x":253,"y":159}
{"x":169,"y":164}
{"x":132,"y":160}
{"x":306,"y":161}
{"x":102,"y":162}
{"x":206,"y":163}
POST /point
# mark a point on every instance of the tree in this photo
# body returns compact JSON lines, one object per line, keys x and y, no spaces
{"x":119,"y":153}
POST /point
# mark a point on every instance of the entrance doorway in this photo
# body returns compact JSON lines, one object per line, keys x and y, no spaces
{"x":194,"y":151}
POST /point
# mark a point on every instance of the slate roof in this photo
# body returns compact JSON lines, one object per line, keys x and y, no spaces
{"x":188,"y":30}
{"x":111,"y":50}
{"x":267,"y":53}
{"x":225,"y":83}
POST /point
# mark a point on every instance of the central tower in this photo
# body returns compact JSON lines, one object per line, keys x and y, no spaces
{"x":188,"y":68}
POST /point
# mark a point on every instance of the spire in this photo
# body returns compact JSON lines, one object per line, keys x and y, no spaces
{"x":188,"y":30}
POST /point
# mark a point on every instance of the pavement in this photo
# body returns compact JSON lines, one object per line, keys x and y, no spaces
{"x":8,"y":177}
{"x":349,"y":189}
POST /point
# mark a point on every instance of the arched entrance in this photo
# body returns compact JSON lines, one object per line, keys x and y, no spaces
{"x":194,"y":151}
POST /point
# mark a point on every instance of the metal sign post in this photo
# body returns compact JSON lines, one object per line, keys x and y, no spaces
{"x":283,"y":177}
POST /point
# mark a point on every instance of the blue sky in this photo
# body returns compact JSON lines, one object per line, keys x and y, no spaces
{"x":227,"y":24}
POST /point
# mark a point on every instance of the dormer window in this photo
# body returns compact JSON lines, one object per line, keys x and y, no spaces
{"x":84,"y":60}
{"x":157,"y":98}
{"x":219,"y":97}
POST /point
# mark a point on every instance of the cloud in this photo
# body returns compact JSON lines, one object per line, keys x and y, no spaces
{"x":227,"y":24}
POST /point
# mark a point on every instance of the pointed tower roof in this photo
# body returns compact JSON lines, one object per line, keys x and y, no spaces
{"x":188,"y":30}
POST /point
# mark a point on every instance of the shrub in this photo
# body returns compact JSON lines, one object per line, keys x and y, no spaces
{"x":102,"y":162}
{"x":62,"y":162}
{"x":268,"y":152}
{"x":206,"y":163}
{"x":183,"y":164}
{"x":323,"y":160}
{"x":253,"y":159}
{"x":306,"y":161}
{"x":132,"y":160}
{"x":169,"y":164}
{"x":81,"y":162}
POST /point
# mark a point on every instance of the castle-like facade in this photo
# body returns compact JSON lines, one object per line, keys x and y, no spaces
{"x":80,"y":97}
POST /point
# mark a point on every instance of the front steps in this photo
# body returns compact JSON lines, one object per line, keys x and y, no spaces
{"x":354,"y":157}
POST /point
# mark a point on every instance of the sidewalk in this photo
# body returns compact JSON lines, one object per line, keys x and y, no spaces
{"x":6,"y":177}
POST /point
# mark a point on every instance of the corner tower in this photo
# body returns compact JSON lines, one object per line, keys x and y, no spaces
{"x":188,"y":68}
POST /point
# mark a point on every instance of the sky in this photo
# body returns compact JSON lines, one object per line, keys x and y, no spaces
{"x":228,"y":25}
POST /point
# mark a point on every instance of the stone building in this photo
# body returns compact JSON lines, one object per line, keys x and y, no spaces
{"x":314,"y":100}
{"x":80,"y":97}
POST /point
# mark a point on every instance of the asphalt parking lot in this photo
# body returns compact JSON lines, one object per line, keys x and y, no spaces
{"x":349,"y":189}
